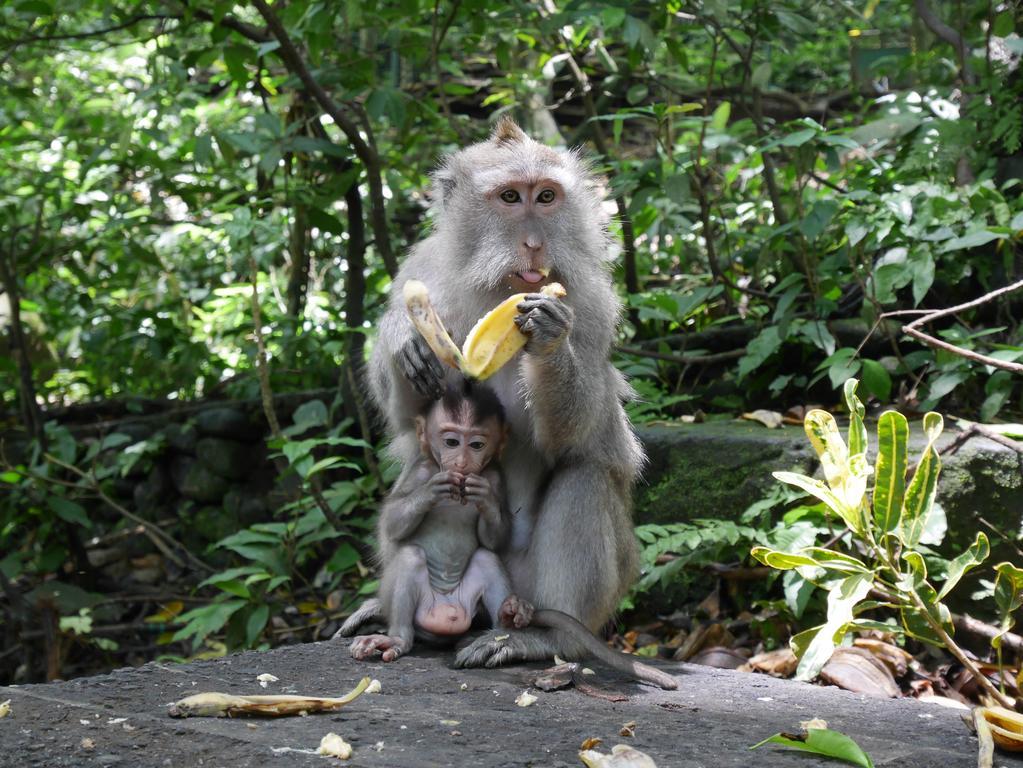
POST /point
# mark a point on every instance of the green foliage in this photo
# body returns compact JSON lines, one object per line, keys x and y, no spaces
{"x":889,"y":529}
{"x":824,"y":742}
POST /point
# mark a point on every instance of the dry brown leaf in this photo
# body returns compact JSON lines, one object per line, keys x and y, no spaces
{"x":629,"y":729}
{"x":556,"y":678}
{"x":719,"y":658}
{"x":781,"y":662}
{"x":896,"y":659}
{"x":857,"y":670}
{"x":228,"y":705}
{"x":590,"y":743}
{"x":704,"y":636}
{"x":770,"y":419}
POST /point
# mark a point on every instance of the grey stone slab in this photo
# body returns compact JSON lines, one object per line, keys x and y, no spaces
{"x":709,"y":723}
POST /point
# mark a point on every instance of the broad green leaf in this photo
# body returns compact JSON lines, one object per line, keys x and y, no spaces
{"x":922,"y":489}
{"x":256,"y":622}
{"x":971,"y":240}
{"x":827,"y":558}
{"x":766,"y":343}
{"x":822,"y":430}
{"x":876,"y":378}
{"x":231,"y":573}
{"x":857,"y":432}
{"x":825,"y":742}
{"x":800,"y":641}
{"x":783,"y":561}
{"x":976,"y":554}
{"x":890,"y":469}
{"x":842,"y":599}
{"x":719,"y":119}
{"x":234,"y":587}
{"x":919,"y":621}
{"x":69,"y":511}
{"x":206,"y":620}
{"x":1008,"y":592}
{"x":851,"y":516}
{"x":798,"y":139}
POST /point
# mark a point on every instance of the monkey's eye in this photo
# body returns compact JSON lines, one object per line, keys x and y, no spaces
{"x":451,"y":442}
{"x":477,"y":445}
{"x":510,"y":196}
{"x":546,"y":196}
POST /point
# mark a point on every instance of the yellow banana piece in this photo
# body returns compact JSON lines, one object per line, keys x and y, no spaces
{"x":424,"y":318}
{"x":495,"y":338}
{"x":491,"y":343}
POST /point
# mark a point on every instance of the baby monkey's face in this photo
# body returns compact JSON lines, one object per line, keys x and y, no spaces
{"x":458,"y":442}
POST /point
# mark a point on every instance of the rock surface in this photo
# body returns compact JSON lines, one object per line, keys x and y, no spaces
{"x":424,"y":717}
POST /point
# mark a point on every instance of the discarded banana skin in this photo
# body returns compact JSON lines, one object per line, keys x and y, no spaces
{"x":214,"y":704}
{"x":491,"y":343}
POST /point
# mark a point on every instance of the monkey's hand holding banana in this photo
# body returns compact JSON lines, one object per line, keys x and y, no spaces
{"x":536,"y":321}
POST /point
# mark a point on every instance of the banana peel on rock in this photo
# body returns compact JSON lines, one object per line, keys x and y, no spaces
{"x":228,"y":705}
{"x":491,"y":343}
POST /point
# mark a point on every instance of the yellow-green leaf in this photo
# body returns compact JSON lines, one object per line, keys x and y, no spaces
{"x":890,"y":469}
{"x":850,"y":515}
{"x":971,"y":558}
{"x":920,"y":495}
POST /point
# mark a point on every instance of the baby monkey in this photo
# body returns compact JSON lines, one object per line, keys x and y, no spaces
{"x":439,"y":530}
{"x":440,"y":526}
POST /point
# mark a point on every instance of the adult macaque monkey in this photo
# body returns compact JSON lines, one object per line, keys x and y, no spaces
{"x":510,"y":216}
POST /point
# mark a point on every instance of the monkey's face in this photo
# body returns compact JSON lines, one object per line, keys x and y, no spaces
{"x":518,"y":214}
{"x":457,"y":443}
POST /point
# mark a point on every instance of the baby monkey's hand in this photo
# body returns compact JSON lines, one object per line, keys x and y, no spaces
{"x":447,"y":485}
{"x":478,"y":490}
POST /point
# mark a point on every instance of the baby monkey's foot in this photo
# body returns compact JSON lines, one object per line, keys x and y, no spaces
{"x":515,"y":612}
{"x":389,"y":647}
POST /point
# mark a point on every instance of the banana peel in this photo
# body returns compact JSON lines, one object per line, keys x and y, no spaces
{"x":491,"y":343}
{"x":228,"y":705}
{"x":1006,"y":727}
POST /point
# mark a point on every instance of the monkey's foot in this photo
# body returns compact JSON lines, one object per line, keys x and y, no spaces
{"x":497,"y":647}
{"x":515,"y":612}
{"x":367,"y":646}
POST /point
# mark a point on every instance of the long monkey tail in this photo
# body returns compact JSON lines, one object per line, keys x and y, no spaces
{"x":562,"y":622}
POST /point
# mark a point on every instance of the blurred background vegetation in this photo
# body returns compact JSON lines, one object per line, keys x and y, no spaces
{"x":188,"y":190}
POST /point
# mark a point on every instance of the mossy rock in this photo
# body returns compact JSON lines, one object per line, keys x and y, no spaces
{"x":713,"y":470}
{"x":717,"y":469}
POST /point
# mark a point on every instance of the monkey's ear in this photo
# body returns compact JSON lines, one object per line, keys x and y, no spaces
{"x":507,"y":132}
{"x":445,"y":181}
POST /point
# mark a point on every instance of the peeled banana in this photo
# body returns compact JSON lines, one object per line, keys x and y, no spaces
{"x":491,"y":343}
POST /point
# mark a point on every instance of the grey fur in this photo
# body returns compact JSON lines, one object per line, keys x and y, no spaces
{"x":572,"y":457}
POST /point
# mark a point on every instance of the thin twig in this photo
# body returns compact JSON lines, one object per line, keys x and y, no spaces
{"x":160,"y":538}
{"x":913,"y":329}
{"x":267,"y":393}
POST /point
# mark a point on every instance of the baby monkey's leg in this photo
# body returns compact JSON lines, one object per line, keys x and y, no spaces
{"x":400,"y":589}
{"x":487,"y":579}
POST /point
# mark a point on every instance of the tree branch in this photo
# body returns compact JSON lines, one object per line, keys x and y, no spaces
{"x":913,"y":329}
{"x":370,"y":159}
